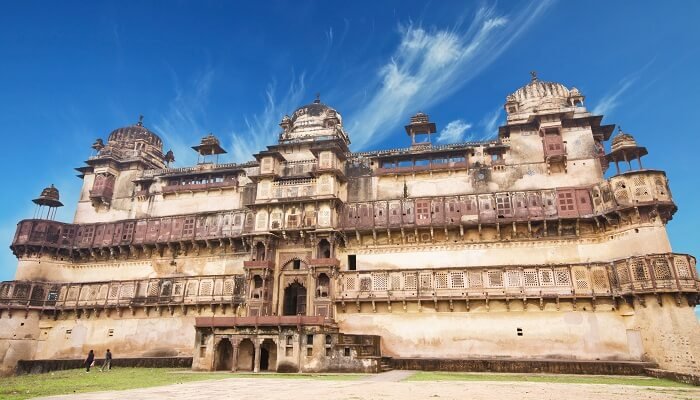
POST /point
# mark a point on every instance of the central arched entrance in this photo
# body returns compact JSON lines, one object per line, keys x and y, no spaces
{"x":268,"y":355}
{"x":224,"y":355}
{"x":295,"y":299}
{"x":246,"y":355}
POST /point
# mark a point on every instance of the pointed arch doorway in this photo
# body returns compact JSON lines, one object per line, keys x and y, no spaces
{"x":294,"y":299}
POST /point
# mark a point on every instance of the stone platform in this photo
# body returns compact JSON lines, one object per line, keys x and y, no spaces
{"x":523,"y":366}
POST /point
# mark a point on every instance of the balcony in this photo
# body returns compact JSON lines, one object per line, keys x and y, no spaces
{"x":200,"y":187}
{"x":259,"y":264}
{"x":656,"y":273}
{"x":332,"y":169}
{"x":102,"y":193}
{"x":451,"y":166}
{"x":269,"y":320}
{"x":324,"y":262}
{"x":217,"y":289}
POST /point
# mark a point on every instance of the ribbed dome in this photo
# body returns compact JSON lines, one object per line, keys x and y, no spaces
{"x":542,"y":95}
{"x":314,"y":109}
{"x":49,"y":197}
{"x":311,"y":120}
{"x":126,"y":137}
{"x":538,"y":89}
{"x":622,"y":140}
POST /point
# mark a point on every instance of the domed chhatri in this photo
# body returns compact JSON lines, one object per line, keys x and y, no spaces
{"x":622,"y":140}
{"x":133,"y":142}
{"x":49,"y":197}
{"x":208,"y":146}
{"x":312,"y":120}
{"x":128,"y":135}
{"x":624,"y":148}
{"x":539,"y":95}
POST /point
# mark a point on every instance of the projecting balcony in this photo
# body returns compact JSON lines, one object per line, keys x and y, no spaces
{"x":332,"y":169}
{"x":452,"y":166}
{"x":324,"y":262}
{"x":220,"y":289}
{"x":200,"y":187}
{"x":103,"y":194}
{"x":268,"y":320}
{"x":259,"y":264}
{"x":650,"y":274}
{"x":555,"y":152}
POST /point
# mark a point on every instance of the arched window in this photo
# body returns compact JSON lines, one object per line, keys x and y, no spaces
{"x":256,"y":293}
{"x":324,"y":249}
{"x":259,"y":252}
{"x":323,"y":285}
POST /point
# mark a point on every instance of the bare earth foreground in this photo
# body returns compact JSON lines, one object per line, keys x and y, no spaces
{"x":387,"y":387}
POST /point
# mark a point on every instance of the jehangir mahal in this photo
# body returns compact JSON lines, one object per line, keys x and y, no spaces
{"x":311,"y":257}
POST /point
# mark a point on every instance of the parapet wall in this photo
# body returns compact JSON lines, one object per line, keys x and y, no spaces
{"x":44,"y":366}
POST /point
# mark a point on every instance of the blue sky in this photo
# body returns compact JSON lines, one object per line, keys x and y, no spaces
{"x":73,"y":71}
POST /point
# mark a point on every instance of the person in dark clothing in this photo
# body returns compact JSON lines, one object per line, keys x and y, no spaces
{"x":107,"y":364}
{"x":89,"y":360}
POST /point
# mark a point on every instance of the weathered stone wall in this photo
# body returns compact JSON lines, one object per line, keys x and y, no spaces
{"x":44,"y":366}
{"x":690,"y":379}
{"x":129,"y":336}
{"x":566,"y":335}
{"x":68,"y":337}
{"x":18,"y":340}
{"x":523,"y":366}
{"x":48,"y":269}
{"x":670,"y":332}
{"x":644,"y":239}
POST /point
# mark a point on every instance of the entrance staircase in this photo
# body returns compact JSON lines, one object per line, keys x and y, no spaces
{"x":385,"y":364}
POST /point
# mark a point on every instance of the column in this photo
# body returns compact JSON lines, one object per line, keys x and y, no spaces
{"x":256,"y":362}
{"x":234,"y":356}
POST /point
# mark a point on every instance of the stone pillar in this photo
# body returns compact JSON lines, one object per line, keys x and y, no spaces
{"x":234,"y":356}
{"x":256,"y":362}
{"x":212,"y":352}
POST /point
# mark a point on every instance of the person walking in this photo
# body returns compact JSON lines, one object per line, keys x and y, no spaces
{"x":107,"y":364}
{"x":89,"y":361}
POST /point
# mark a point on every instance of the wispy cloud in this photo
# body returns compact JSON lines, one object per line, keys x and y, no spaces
{"x":453,"y":132}
{"x":262,"y":129}
{"x":184,"y":123}
{"x":428,"y":66}
{"x":611,"y":100}
{"x":490,"y":123}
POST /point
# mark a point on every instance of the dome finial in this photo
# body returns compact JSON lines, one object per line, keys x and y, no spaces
{"x":140,"y":123}
{"x":318,"y":98}
{"x":533,"y":76}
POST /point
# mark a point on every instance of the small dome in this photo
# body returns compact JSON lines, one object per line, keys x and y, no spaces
{"x":419,"y":117}
{"x":315,"y":119}
{"x":126,"y":137}
{"x":623,"y":140}
{"x":49,"y":197}
{"x":309,"y":111}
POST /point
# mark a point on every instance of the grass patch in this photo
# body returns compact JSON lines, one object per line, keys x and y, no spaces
{"x":584,"y":379}
{"x":77,"y":381}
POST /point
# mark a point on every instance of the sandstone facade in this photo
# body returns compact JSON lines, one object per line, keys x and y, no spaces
{"x":312,"y":257}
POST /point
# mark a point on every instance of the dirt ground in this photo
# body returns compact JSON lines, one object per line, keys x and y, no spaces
{"x":286,"y":389}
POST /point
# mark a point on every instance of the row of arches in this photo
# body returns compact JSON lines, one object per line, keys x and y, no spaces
{"x":244,"y":359}
{"x":323,"y":250}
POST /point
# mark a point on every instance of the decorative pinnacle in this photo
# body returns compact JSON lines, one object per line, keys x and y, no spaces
{"x":318,"y":98}
{"x":140,"y":123}
{"x":533,"y":76}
